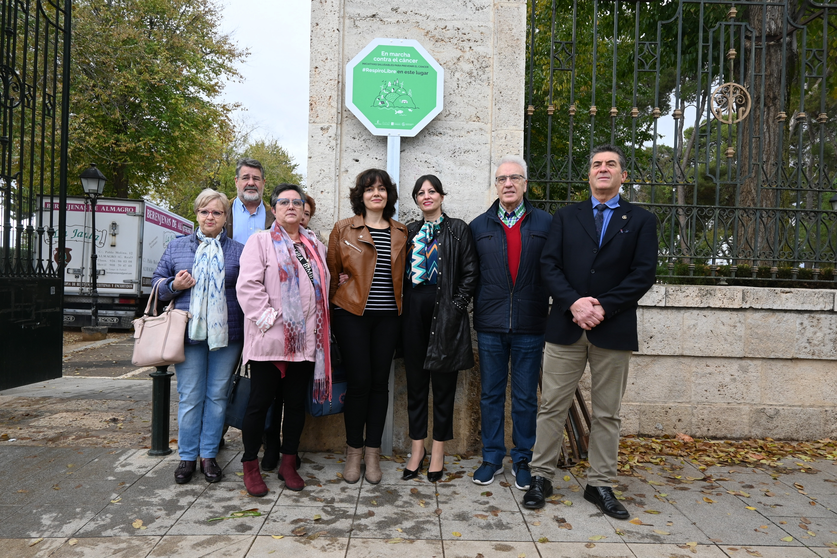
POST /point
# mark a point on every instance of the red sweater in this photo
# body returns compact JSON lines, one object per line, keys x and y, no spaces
{"x":515,"y":246}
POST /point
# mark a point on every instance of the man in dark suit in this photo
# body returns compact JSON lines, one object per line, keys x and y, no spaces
{"x":600,"y":258}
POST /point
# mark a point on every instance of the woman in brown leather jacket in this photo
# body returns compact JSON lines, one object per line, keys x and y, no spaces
{"x":366,"y":258}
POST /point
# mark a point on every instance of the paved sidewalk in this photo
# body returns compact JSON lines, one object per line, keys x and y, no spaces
{"x":70,"y":500}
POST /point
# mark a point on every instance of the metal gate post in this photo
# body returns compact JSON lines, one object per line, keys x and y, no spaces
{"x":160,"y":397}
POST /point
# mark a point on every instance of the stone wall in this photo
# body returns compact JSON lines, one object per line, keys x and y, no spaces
{"x":483,"y":100}
{"x":734,"y":362}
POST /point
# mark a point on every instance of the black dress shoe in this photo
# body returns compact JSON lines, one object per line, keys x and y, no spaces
{"x":606,"y":501}
{"x":410,"y":475}
{"x":211,"y":470}
{"x":539,"y":490}
{"x":184,"y":472}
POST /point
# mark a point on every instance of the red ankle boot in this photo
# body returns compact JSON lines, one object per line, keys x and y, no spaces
{"x":253,"y":479}
{"x":287,"y":472}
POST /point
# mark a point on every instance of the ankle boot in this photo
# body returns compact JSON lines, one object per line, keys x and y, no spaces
{"x":253,"y":479}
{"x":351,"y":471}
{"x":372,"y":459}
{"x":287,"y":472}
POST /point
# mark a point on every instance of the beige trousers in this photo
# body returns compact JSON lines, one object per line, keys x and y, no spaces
{"x":563,"y":366}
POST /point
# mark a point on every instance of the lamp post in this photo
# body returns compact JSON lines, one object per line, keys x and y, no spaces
{"x":93,"y":183}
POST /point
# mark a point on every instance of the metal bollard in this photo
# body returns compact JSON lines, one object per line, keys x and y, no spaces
{"x":160,"y":397}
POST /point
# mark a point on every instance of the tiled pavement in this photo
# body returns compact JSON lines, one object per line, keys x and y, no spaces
{"x":104,"y":502}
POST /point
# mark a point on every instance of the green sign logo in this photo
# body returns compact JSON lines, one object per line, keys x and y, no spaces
{"x":394,"y":87}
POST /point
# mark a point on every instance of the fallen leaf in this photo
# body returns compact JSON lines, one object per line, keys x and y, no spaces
{"x":652,"y":512}
{"x":750,"y":508}
{"x":684,"y":437}
{"x":480,"y":516}
{"x":456,"y":534}
{"x":567,"y":502}
{"x":536,"y":523}
{"x":620,"y":532}
{"x":414,"y":491}
{"x":597,"y":537}
{"x":636,"y":521}
{"x":566,"y":478}
{"x":277,"y":537}
{"x":543,"y":540}
{"x":116,"y":500}
{"x":72,"y":542}
{"x":395,"y":540}
{"x":299,"y":531}
{"x":317,"y":517}
{"x":137,"y":523}
{"x":787,"y":539}
{"x":422,"y":503}
{"x":36,"y":541}
{"x":659,"y":532}
{"x":590,"y":545}
{"x":487,"y":494}
{"x":708,"y":500}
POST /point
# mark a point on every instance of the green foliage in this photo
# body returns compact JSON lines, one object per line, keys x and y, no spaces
{"x":146,"y":77}
{"x":702,"y":274}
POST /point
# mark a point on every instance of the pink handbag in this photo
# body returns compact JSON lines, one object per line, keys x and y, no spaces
{"x":159,"y":340}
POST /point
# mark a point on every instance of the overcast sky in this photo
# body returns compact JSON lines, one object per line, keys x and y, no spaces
{"x":274,"y":91}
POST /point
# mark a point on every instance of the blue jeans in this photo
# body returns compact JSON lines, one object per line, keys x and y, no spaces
{"x":202,"y":382}
{"x":525,"y":351}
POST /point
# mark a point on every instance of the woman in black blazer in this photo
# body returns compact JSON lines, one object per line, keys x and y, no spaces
{"x":440,"y":280}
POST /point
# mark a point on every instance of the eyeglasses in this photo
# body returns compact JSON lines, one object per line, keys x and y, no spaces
{"x":283,"y":202}
{"x":207,"y":213}
{"x":516,"y":178}
{"x":247,"y":178}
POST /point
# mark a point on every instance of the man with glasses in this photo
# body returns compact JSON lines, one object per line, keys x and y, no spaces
{"x":248,"y":211}
{"x":600,"y":259}
{"x":510,"y":310}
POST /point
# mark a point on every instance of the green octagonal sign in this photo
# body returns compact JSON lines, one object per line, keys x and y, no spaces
{"x":394,"y":87}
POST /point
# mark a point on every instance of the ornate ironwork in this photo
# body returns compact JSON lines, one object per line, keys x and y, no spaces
{"x":725,"y":112}
{"x":34,"y":111}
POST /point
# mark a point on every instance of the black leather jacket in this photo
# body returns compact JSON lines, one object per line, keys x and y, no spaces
{"x":450,"y":340}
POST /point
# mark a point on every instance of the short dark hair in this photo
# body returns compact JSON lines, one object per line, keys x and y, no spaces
{"x":310,"y":201}
{"x":433,"y":180}
{"x":608,"y":148}
{"x":252,"y":163}
{"x":284,"y":187}
{"x":366,"y":179}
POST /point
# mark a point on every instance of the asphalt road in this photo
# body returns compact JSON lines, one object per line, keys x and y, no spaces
{"x":96,"y":359}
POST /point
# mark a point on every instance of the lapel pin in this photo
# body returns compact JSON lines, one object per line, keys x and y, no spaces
{"x":624,"y":216}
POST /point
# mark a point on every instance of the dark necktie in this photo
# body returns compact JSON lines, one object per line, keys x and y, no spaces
{"x":599,"y":220}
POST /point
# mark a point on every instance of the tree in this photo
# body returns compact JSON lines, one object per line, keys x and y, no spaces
{"x":146,"y":76}
{"x":218,"y":171}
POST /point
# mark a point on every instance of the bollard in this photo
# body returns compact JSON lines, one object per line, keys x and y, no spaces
{"x":160,"y":397}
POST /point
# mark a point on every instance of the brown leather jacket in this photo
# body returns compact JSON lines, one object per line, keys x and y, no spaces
{"x":351,"y":250}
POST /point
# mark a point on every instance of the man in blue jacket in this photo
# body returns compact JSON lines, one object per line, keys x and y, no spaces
{"x":510,"y":310}
{"x":601,"y":257}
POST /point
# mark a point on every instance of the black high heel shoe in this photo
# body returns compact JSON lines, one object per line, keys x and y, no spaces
{"x":435,"y":476}
{"x":408,"y":474}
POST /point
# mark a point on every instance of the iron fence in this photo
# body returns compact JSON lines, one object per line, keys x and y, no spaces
{"x":727,"y":112}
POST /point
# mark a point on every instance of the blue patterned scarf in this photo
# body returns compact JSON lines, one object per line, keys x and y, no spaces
{"x":420,"y":268}
{"x":208,"y":303}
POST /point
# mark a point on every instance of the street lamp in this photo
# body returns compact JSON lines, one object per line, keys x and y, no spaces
{"x":93,"y":183}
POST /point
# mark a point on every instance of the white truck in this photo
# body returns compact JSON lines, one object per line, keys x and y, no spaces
{"x":130,"y":237}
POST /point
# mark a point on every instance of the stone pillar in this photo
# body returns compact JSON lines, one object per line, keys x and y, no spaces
{"x":481,"y":44}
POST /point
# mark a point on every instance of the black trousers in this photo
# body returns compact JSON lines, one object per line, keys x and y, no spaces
{"x":367,"y":345}
{"x":267,"y":384}
{"x":416,"y":327}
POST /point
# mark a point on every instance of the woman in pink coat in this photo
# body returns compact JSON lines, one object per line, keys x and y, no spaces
{"x":283,"y":290}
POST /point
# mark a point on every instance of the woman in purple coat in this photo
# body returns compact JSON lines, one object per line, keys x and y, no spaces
{"x":199,"y":272}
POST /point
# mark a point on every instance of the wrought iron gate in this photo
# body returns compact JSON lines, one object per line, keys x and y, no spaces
{"x":34,"y":72}
{"x":727,"y":112}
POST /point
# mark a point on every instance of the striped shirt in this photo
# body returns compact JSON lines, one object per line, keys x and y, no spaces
{"x":381,"y":293}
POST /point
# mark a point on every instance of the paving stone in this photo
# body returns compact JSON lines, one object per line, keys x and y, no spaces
{"x":52,"y":521}
{"x":323,"y":521}
{"x":768,"y":551}
{"x":298,"y":547}
{"x":488,"y":549}
{"x":214,"y":546}
{"x":463,"y":495}
{"x":222,"y":503}
{"x":371,"y":548}
{"x":389,"y":522}
{"x":504,"y":526}
{"x":30,"y":548}
{"x":110,"y":547}
{"x":678,"y":551}
{"x":824,"y":529}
